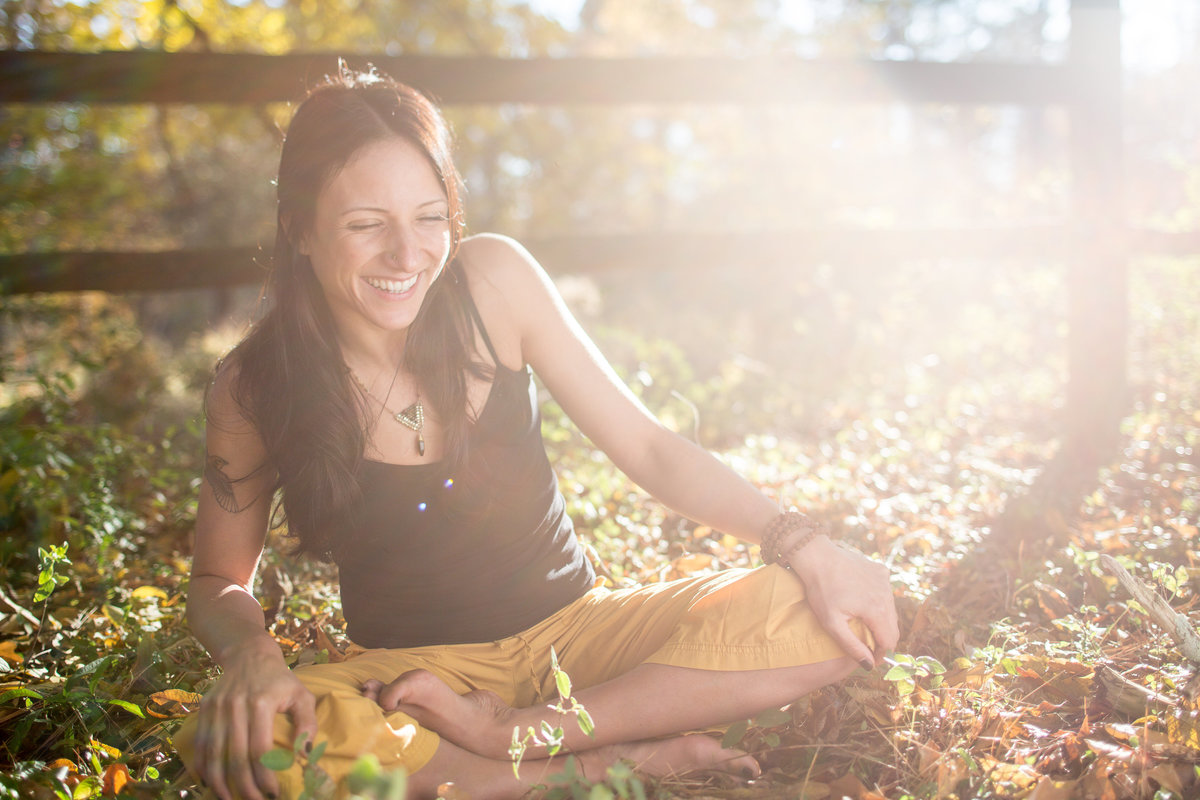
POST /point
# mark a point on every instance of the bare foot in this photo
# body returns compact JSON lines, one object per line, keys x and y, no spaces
{"x":477,"y":721}
{"x":674,"y":756}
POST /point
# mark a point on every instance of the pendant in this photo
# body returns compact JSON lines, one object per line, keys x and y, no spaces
{"x":412,"y":417}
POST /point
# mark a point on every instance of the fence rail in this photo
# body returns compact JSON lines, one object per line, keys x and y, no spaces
{"x":161,"y":78}
{"x":224,"y":267}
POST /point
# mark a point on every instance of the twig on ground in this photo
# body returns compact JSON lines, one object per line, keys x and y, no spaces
{"x":1167,"y":618}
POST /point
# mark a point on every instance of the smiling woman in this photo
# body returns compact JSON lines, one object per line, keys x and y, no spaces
{"x":460,"y":570}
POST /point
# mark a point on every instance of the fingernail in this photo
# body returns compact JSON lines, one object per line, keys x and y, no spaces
{"x":747,"y":773}
{"x":308,"y":746}
{"x":867,"y":664}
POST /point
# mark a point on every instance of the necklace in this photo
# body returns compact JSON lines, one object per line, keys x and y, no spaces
{"x":412,"y":417}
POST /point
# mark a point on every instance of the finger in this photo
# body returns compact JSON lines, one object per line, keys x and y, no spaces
{"x":214,"y":770}
{"x":840,"y":630}
{"x":304,"y":717}
{"x":262,"y":739}
{"x":237,"y":759}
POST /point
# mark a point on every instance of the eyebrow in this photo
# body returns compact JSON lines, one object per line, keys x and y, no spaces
{"x":384,"y":210}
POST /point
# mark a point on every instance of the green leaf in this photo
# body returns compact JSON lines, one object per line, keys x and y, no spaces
{"x":601,"y":792}
{"x":128,"y":706}
{"x":363,"y":774}
{"x":278,"y":759}
{"x":87,"y":788}
{"x":772,"y":717}
{"x":900,"y":672}
{"x":931,"y":665}
{"x":734,"y":734}
{"x":11,"y":693}
{"x":563,"y":682}
{"x":317,"y":752}
{"x":585,"y":722}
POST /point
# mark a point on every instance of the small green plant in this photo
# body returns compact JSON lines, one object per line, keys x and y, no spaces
{"x":619,"y":781}
{"x":367,"y":780}
{"x":317,"y":783}
{"x":546,"y":735}
{"x":907,"y":671}
{"x":48,"y":578}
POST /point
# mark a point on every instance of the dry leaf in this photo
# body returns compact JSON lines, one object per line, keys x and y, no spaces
{"x":115,"y":778}
{"x":847,"y":787}
{"x":1050,"y":789}
{"x":144,"y":592}
{"x":8,"y":651}
{"x":172,"y":703}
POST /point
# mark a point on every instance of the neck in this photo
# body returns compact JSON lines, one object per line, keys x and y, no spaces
{"x":373,"y":358}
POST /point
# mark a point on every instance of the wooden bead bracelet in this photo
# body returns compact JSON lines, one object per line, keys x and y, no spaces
{"x":775,"y":538}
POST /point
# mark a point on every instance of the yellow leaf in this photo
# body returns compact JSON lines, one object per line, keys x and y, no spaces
{"x":107,"y":750}
{"x":143,"y":592}
{"x":172,"y":703}
{"x":59,"y":763}
{"x":1050,"y":789}
{"x":1182,"y":729}
{"x":8,"y":651}
{"x":694,"y":562}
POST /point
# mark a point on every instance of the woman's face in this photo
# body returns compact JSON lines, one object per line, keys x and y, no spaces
{"x":380,"y":237}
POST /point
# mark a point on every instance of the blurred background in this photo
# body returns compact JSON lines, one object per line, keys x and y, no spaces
{"x":894,"y":306}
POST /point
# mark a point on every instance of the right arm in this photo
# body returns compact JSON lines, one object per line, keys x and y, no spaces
{"x":237,"y":716}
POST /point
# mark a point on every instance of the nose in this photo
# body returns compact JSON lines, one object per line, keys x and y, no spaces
{"x":402,"y":252}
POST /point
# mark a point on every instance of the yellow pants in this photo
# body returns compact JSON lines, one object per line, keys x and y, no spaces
{"x":734,"y":620}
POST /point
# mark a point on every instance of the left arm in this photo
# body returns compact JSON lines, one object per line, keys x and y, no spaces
{"x":840,"y":583}
{"x":683,"y":476}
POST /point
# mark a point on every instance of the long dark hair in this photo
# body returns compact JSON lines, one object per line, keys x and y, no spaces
{"x":292,"y":382}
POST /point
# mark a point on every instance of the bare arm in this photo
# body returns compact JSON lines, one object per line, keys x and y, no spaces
{"x":544,"y":333}
{"x":535,"y":326}
{"x":237,"y":716}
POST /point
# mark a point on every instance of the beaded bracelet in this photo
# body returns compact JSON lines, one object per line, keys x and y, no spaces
{"x":780,"y":528}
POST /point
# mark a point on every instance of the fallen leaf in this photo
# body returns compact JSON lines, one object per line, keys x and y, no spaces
{"x":8,"y":652}
{"x":172,"y":703}
{"x":116,"y":776}
{"x":144,"y":592}
{"x":1050,"y":789}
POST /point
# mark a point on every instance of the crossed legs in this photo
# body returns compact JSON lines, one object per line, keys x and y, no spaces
{"x":629,"y":712}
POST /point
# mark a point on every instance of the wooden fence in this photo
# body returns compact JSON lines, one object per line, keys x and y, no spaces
{"x":1095,"y":243}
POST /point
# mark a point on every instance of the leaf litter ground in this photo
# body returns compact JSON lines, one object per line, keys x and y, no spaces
{"x":1023,"y":673}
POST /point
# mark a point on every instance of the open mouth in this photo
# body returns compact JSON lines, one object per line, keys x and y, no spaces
{"x":393,"y":287}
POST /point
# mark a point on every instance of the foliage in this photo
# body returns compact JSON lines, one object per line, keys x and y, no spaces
{"x":548,"y":737}
{"x":908,"y":444}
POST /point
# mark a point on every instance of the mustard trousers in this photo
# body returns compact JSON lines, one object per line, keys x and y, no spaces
{"x":734,"y":620}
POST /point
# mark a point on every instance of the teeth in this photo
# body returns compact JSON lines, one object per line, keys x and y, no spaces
{"x":395,"y":287}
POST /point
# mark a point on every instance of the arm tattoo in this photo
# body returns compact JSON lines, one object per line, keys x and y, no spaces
{"x":222,"y":486}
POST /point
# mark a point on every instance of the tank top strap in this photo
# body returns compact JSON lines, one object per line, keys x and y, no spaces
{"x":469,"y":303}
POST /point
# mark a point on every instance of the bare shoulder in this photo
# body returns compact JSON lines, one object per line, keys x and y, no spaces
{"x":500,"y":262}
{"x":510,"y":289}
{"x":222,"y":410}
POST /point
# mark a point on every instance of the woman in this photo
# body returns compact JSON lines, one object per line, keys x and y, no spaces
{"x":387,"y":394}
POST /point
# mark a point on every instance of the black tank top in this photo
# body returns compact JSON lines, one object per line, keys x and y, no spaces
{"x":440,"y":557}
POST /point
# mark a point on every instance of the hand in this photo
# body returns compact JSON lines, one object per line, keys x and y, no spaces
{"x":236,"y":725}
{"x":843,"y":584}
